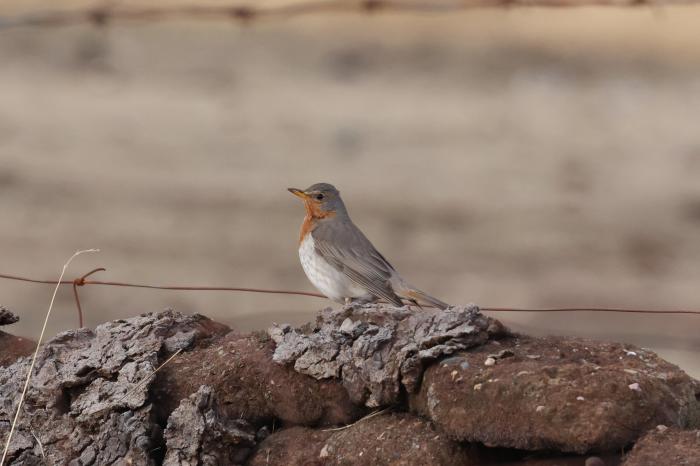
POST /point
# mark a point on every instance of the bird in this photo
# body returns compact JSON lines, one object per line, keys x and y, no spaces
{"x":341,"y":262}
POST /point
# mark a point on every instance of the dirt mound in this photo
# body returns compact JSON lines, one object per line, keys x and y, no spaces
{"x":296,"y":446}
{"x":397,"y":439}
{"x":666,"y":447}
{"x":478,"y":395}
{"x":12,"y":347}
{"x":555,"y":394}
{"x":249,"y":385}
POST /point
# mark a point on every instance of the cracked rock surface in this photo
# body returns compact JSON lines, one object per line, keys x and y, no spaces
{"x":198,"y":435}
{"x":84,"y":405}
{"x":452,"y":384}
{"x":379,"y":350}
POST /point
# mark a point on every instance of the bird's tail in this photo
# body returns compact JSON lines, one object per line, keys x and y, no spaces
{"x":421,"y":298}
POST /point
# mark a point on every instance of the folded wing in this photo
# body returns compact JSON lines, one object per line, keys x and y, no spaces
{"x":354,"y":255}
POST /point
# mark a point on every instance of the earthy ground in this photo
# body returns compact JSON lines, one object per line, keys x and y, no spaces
{"x":507,"y":158}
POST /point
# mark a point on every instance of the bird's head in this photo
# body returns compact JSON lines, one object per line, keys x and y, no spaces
{"x":320,"y":200}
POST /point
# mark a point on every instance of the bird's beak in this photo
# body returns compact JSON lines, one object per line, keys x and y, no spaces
{"x":298,"y":193}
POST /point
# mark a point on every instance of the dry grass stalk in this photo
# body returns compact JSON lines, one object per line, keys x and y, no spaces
{"x":36,"y":353}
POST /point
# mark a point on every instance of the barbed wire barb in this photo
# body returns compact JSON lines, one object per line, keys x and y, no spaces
{"x":102,"y":15}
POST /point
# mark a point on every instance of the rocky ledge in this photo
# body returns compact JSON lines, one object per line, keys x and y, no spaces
{"x":369,"y":385}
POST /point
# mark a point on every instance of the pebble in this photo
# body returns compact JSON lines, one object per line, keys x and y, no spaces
{"x":580,"y":398}
{"x":477,"y":386}
{"x":661,"y":428}
{"x":490,"y":362}
{"x":594,"y":461}
{"x":635,"y":386}
{"x":539,"y":409}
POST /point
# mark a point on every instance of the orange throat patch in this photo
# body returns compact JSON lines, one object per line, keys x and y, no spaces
{"x":313,"y":215}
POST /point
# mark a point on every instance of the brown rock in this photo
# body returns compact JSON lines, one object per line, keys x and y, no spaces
{"x":671,"y":447}
{"x":12,"y":348}
{"x":249,"y":385}
{"x":296,"y":446}
{"x":560,"y":394}
{"x":393,"y":439}
{"x":7,"y":317}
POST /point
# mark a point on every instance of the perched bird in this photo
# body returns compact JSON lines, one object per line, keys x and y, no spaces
{"x":341,"y":262}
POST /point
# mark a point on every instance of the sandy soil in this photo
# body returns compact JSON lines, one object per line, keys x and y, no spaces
{"x":520,"y":158}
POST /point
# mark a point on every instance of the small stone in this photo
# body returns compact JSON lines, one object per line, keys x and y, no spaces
{"x":453,"y":374}
{"x":262,"y":433}
{"x":594,"y":461}
{"x":661,"y":428}
{"x":324,"y":452}
{"x":347,"y":326}
{"x":635,"y":386}
{"x":631,"y":371}
{"x":7,"y":317}
{"x":580,"y":398}
{"x":477,"y":386}
{"x":539,"y":409}
{"x":630,"y":353}
{"x":490,"y":362}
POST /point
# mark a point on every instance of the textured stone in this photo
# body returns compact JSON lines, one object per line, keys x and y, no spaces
{"x":574,"y":396}
{"x":379,"y":350}
{"x":77,"y":405}
{"x":198,"y":435}
{"x":669,"y":447}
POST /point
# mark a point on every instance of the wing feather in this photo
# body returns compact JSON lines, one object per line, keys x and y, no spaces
{"x":355,"y":256}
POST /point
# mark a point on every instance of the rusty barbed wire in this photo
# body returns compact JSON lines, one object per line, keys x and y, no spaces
{"x":82,"y":281}
{"x":101,"y":15}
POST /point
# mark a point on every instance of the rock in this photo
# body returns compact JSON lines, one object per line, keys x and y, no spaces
{"x":249,"y":385}
{"x":400,"y":439}
{"x":670,"y":447}
{"x":197,"y":434}
{"x":378,"y":351}
{"x":295,"y":446}
{"x":594,"y":461}
{"x":93,"y":398}
{"x":536,"y":404}
{"x":13,"y":348}
{"x":77,"y":404}
{"x":7,"y":317}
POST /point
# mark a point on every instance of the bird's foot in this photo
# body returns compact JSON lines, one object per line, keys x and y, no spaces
{"x":356,"y":303}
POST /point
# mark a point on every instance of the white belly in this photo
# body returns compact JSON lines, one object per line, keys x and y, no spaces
{"x":328,"y":280}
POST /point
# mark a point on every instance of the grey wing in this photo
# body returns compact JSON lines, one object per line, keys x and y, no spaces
{"x":352,"y":253}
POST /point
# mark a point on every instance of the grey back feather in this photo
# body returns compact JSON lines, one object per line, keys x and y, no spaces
{"x":345,"y":247}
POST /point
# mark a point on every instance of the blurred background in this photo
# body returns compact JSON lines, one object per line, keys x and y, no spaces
{"x":519,"y":157}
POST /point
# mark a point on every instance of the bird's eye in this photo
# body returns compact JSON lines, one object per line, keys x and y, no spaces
{"x":319,"y":197}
